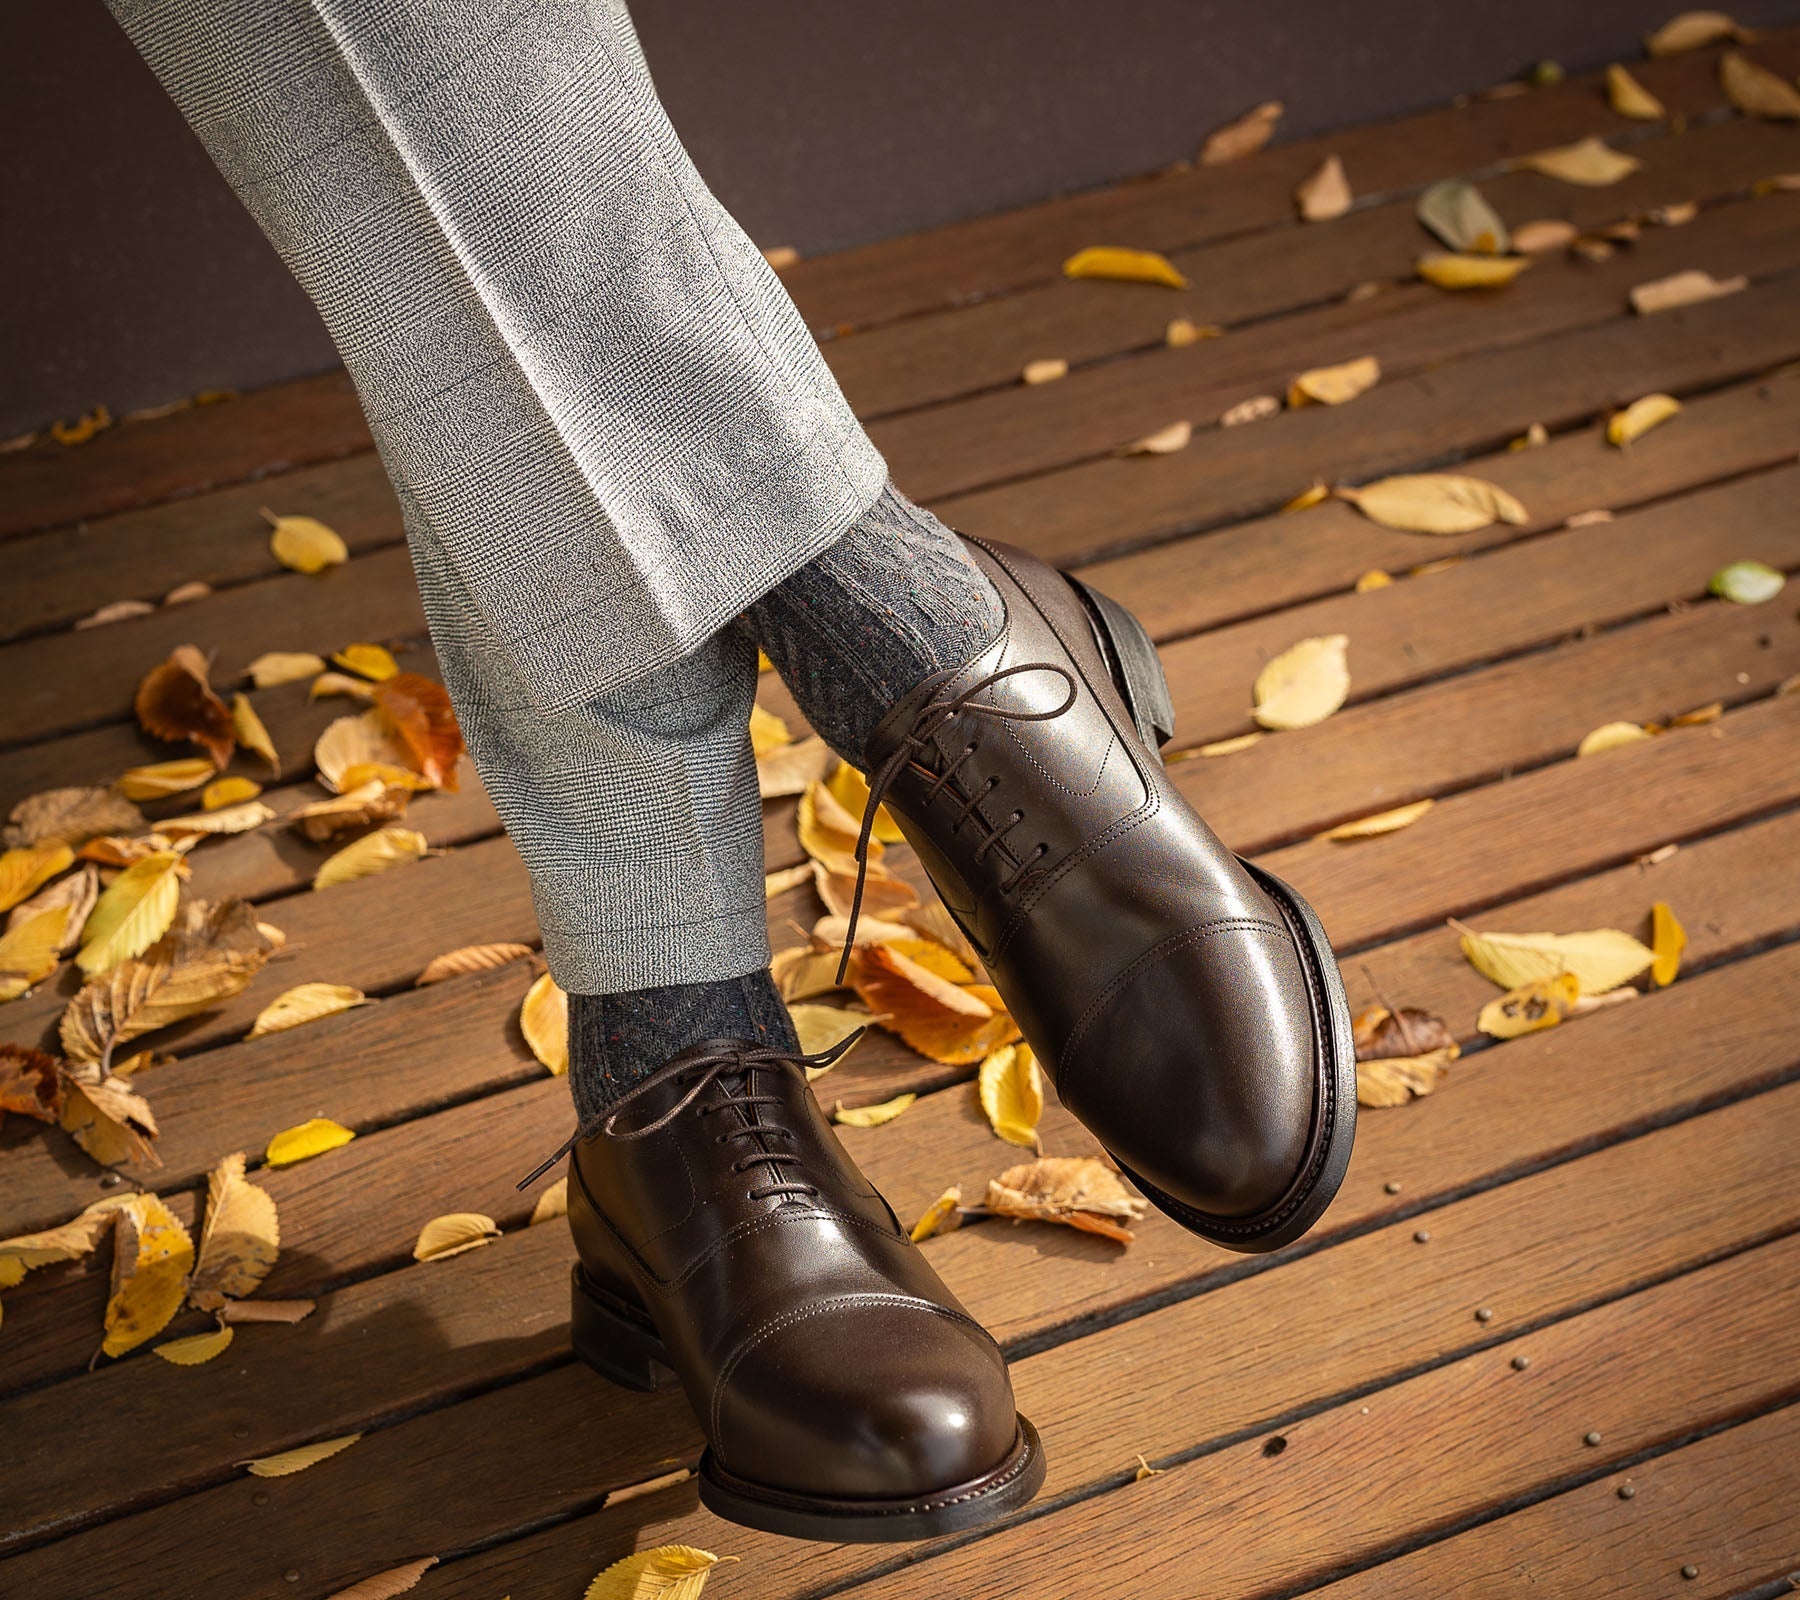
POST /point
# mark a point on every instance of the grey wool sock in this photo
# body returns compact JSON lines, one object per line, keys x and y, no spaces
{"x":617,"y":1040}
{"x":894,"y":600}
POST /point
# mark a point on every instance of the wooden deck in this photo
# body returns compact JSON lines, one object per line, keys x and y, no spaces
{"x":1548,"y":1339}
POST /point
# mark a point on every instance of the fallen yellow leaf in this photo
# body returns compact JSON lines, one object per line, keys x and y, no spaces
{"x":152,"y":1253}
{"x":1243,"y":137}
{"x":872,"y":1116}
{"x":1592,"y":163}
{"x":1688,"y":288}
{"x":669,"y":1572}
{"x":767,"y":732}
{"x":820,"y":1027}
{"x":1374,"y":578}
{"x":1164,"y":442}
{"x":240,"y":1240}
{"x":67,"y":1241}
{"x":851,"y":791}
{"x":196,"y":1348}
{"x":1435,"y":502}
{"x":941,"y":1216}
{"x":1010,"y":1087}
{"x":1667,"y":939}
{"x":83,"y":428}
{"x":1183,"y":331}
{"x":363,"y":741}
{"x":30,"y":951}
{"x":223,"y":793}
{"x":1600,"y":959}
{"x":1640,"y":417}
{"x":1045,"y":370}
{"x":308,"y":1139}
{"x":552,"y":1203}
{"x":283,"y":666}
{"x":544,"y":1021}
{"x":1629,"y":98}
{"x":1325,"y":193}
{"x":298,"y":1460}
{"x":828,"y":832}
{"x":1306,"y":499}
{"x":1394,"y":1080}
{"x":1541,"y":237}
{"x":1254,"y":409}
{"x":26,"y":870}
{"x":1332,"y":386}
{"x":1756,"y":91}
{"x":133,"y":913}
{"x":306,"y":1002}
{"x":1229,"y":747}
{"x":1124,"y":266}
{"x":1076,"y":1191}
{"x":801,"y":972}
{"x":1382,"y":822}
{"x":304,"y":544}
{"x":240,"y":818}
{"x":163,"y":778}
{"x":471,"y":958}
{"x":374,"y":852}
{"x":1459,"y":214}
{"x":1611,"y":736}
{"x":372,"y":661}
{"x":953,"y":1024}
{"x":1541,"y":1003}
{"x":1694,"y":30}
{"x":1304,"y":684}
{"x":789,"y":768}
{"x":1449,"y":271}
{"x":452,"y":1234}
{"x":395,"y":1581}
{"x":374,"y":801}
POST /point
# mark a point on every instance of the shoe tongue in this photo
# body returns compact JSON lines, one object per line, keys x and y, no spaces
{"x":898,"y":720}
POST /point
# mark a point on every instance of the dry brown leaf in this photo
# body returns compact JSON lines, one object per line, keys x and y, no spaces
{"x":801,"y":972}
{"x":1254,"y":409}
{"x":355,"y":749}
{"x":1076,"y":1191}
{"x":1459,"y":214}
{"x":471,"y":958}
{"x":1411,"y":1031}
{"x":1640,"y":417}
{"x":1046,"y":369}
{"x":1682,"y":289}
{"x":1164,"y":442}
{"x":305,"y":1140}
{"x":669,"y":1572}
{"x":943,"y":1215}
{"x":1123,"y":266}
{"x":1629,"y":98}
{"x":175,"y":703}
{"x":872,"y":1116}
{"x":72,"y":815}
{"x":152,"y":1253}
{"x":30,"y":1083}
{"x":1694,"y":30}
{"x":1381,"y":822}
{"x":136,"y":910}
{"x":304,"y":544}
{"x":1010,"y":1086}
{"x":1542,"y":1003}
{"x":210,"y":955}
{"x":283,"y":666}
{"x":1667,"y":940}
{"x":26,"y":870}
{"x":419,"y":713}
{"x":950,"y":1023}
{"x":552,"y":1203}
{"x":1304,"y":684}
{"x":544,"y":1021}
{"x":371,"y":802}
{"x":452,"y":1234}
{"x":1756,"y":91}
{"x":306,"y":1002}
{"x":385,"y":1585}
{"x":164,"y":778}
{"x":1540,"y":237}
{"x":240,"y":1240}
{"x":29,"y":952}
{"x":374,"y":852}
{"x":1333,"y":386}
{"x":298,"y":1460}
{"x":1435,"y":502}
{"x":883,"y":897}
{"x":285,"y":1311}
{"x":1243,"y":137}
{"x":1449,"y":271}
{"x":1394,"y":1080}
{"x":792,"y":767}
{"x":1592,"y":163}
{"x":1325,"y":193}
{"x":67,"y":1241}
{"x":108,"y":1119}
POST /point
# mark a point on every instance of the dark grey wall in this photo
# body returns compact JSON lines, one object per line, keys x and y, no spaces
{"x":131,"y":276}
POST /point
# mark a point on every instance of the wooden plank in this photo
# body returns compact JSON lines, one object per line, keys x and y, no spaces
{"x":1503,"y":601}
{"x":1346,"y":1486}
{"x":1724,"y":1505}
{"x":140,"y":463}
{"x":1012,"y":250}
{"x":933,"y":359}
{"x":1110,"y":506}
{"x":1386,"y":1305}
{"x":1283,"y":560}
{"x":1015,"y":432}
{"x":361,"y":1206}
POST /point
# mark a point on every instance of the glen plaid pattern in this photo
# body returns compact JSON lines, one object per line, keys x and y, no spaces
{"x":608,"y":427}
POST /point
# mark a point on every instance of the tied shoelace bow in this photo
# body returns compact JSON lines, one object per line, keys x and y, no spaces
{"x":932,"y":718}
{"x":702,"y":1070}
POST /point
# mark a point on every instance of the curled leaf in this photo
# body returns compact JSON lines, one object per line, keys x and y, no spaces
{"x":828,"y":832}
{"x":306,"y":1002}
{"x":1612,"y":736}
{"x":1229,"y":747}
{"x":1459,"y":214}
{"x":1411,"y":1031}
{"x":1667,"y":939}
{"x":1304,"y":684}
{"x":1325,"y":193}
{"x":1448,"y":271}
{"x":1333,"y":386}
{"x":1592,"y":163}
{"x":552,"y":1203}
{"x":304,"y":544}
{"x":1629,"y":98}
{"x":950,"y":1023}
{"x":283,"y":666}
{"x":30,"y":1083}
{"x":1541,"y":1003}
{"x":1382,"y":822}
{"x":471,"y":958}
{"x":1756,"y":91}
{"x":451,"y":1235}
{"x":354,"y":750}
{"x":941,"y":1216}
{"x":371,"y":802}
{"x":308,"y":1139}
{"x":164,"y":778}
{"x":1640,"y":417}
{"x":1242,"y":137}
{"x":419,"y":713}
{"x":1123,"y":266}
{"x":1164,"y":442}
{"x":1694,"y":30}
{"x":872,"y":1116}
{"x":67,"y":1241}
{"x":152,"y":1253}
{"x":1435,"y":502}
{"x":820,"y":1027}
{"x":175,"y":703}
{"x":1077,"y":1191}
{"x":374,"y":852}
{"x":544,"y":1021}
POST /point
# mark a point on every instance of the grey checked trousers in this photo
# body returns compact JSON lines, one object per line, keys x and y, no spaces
{"x":608,"y":427}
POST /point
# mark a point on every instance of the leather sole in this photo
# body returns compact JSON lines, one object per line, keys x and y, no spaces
{"x":1137,"y":673}
{"x":619,"y":1342}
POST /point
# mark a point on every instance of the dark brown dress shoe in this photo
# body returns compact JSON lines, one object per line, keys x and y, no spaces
{"x":725,"y":1236}
{"x":1185,"y":1003}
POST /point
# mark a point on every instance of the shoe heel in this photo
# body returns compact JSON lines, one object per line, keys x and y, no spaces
{"x":1136,"y":669}
{"x":608,"y":1339}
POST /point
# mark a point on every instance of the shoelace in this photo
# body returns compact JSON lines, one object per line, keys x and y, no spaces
{"x":702,"y":1069}
{"x":931,"y":718}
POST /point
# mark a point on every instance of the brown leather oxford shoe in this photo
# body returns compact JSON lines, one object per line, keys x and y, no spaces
{"x":725,"y":1236}
{"x":1185,"y":1003}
